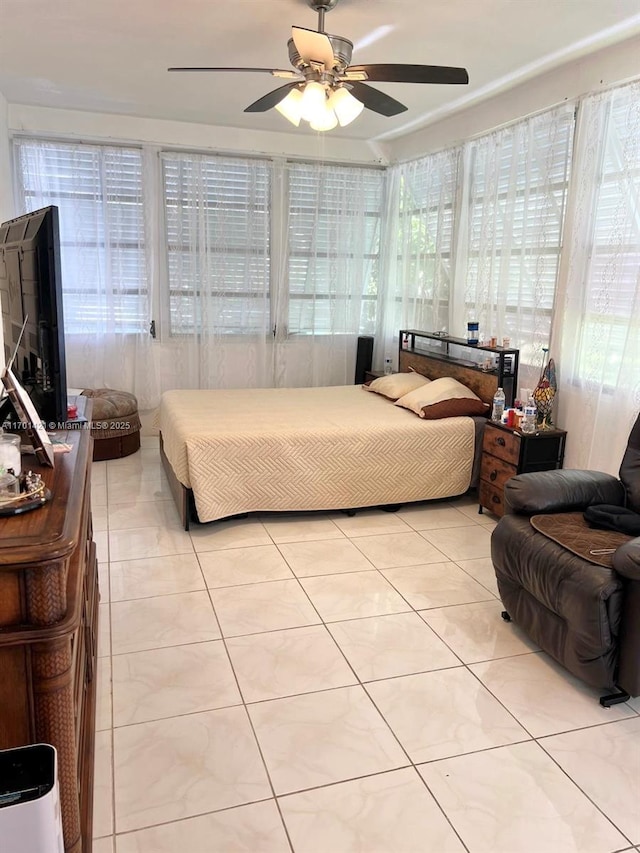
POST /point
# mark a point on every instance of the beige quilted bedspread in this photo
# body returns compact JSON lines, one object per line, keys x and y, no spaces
{"x":309,"y":449}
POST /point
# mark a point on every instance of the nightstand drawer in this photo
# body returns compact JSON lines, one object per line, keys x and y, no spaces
{"x":496,"y":471}
{"x":491,"y":497}
{"x":501,"y":443}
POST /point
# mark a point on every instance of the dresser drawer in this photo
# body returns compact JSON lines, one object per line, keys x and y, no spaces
{"x":491,"y":497}
{"x":501,"y":443}
{"x":496,"y":471}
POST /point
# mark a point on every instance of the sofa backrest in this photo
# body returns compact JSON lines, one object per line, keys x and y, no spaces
{"x":630,"y":468}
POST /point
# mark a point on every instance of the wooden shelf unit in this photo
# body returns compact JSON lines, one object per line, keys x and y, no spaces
{"x":508,"y":359}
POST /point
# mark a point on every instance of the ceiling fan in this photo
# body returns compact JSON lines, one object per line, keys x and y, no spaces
{"x":325,"y":89}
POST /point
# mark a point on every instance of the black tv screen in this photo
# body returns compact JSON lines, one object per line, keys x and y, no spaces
{"x":31,"y":287}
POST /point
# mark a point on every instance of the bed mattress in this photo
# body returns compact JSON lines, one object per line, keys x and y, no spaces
{"x":280,"y":449}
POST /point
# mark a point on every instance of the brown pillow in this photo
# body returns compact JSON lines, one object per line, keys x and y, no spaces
{"x":454,"y":408}
{"x":443,"y":398}
{"x":396,"y":385}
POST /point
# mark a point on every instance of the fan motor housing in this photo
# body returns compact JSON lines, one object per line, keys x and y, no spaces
{"x":322,"y":5}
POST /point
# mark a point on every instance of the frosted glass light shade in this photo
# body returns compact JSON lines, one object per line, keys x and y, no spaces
{"x":314,"y":100}
{"x":291,"y":106}
{"x":346,"y":107}
{"x":324,"y":120}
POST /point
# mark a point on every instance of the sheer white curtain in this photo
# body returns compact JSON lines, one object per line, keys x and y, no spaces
{"x":597,"y":319}
{"x":418,"y":248}
{"x":510,"y":231}
{"x":104,"y":258}
{"x":328,"y":270}
{"x":217,"y":327}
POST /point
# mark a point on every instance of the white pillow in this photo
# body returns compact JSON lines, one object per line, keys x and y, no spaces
{"x":396,"y":384}
{"x":437,"y":392}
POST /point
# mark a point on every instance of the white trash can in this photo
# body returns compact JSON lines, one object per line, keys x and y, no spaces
{"x":30,"y":820}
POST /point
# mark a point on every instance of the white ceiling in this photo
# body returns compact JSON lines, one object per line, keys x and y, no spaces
{"x":111,"y":55}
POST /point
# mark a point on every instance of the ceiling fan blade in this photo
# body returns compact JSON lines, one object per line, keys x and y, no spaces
{"x":266,"y":102}
{"x":277,"y":72}
{"x":375,"y":100}
{"x":398,"y":73}
{"x":313,"y":46}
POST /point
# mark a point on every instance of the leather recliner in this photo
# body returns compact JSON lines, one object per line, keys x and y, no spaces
{"x":586,"y":616}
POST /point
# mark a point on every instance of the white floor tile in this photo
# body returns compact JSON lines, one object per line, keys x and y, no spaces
{"x":256,"y":828}
{"x":320,"y":738}
{"x":604,"y":762}
{"x":378,"y":814}
{"x":418,"y":709}
{"x":103,"y":786}
{"x":435,"y":585}
{"x":386,"y":646}
{"x":398,"y":549}
{"x":481,"y":569}
{"x":476,"y":632}
{"x":517,"y":800}
{"x":238,"y":533}
{"x":284,"y":663}
{"x":169,"y":682}
{"x":301,"y":529}
{"x":141,"y":542}
{"x":461,"y":543}
{"x":103,"y":694}
{"x":168,"y":620}
{"x":154,"y":576}
{"x":234,"y":566}
{"x":185,"y":766}
{"x":433,"y":517}
{"x":271,"y":606}
{"x":370,"y":522}
{"x":124,"y":516}
{"x":543,"y":696}
{"x":104,"y":630}
{"x":327,"y":557}
{"x":353,"y":595}
{"x":102,"y":845}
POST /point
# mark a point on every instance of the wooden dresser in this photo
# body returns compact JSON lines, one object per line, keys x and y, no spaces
{"x":48,"y":624}
{"x":507,"y":452}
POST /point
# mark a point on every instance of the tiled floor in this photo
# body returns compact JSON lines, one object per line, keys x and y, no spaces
{"x":320,"y":683}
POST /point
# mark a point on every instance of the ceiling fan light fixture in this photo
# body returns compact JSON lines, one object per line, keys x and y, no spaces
{"x":314,"y":101}
{"x":326,"y":119}
{"x":346,"y":107}
{"x":291,"y":107}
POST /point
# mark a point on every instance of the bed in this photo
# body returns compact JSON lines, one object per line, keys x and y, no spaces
{"x":229,"y":452}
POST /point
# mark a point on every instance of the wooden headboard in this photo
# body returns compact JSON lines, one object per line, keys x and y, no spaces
{"x":482,"y":384}
{"x":442,"y":355}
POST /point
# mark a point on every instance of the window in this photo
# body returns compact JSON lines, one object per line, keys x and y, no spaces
{"x":333,"y":248}
{"x":426,"y":195}
{"x":98,"y":191}
{"x":512,"y":237}
{"x":609,"y":338}
{"x":217,"y":212}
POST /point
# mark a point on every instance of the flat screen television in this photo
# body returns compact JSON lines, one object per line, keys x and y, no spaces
{"x":31,"y":287}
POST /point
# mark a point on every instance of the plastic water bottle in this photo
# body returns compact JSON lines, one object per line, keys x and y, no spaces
{"x":388,"y":365}
{"x":530,"y":417}
{"x":498,"y":406}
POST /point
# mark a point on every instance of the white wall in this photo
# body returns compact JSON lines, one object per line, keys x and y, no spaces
{"x":74,"y":124}
{"x":6,"y":194}
{"x":567,"y":82}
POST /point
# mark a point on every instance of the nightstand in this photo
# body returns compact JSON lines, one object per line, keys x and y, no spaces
{"x":507,"y":452}
{"x":370,"y":375}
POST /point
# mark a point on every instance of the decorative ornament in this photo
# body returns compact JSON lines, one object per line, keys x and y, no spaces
{"x":545,"y":392}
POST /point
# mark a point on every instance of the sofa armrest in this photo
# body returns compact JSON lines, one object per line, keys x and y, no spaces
{"x":626,"y":560}
{"x":561,"y":491}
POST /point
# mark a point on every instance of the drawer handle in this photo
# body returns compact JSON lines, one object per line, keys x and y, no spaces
{"x":495,"y":499}
{"x":500,"y":440}
{"x":493,"y":476}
